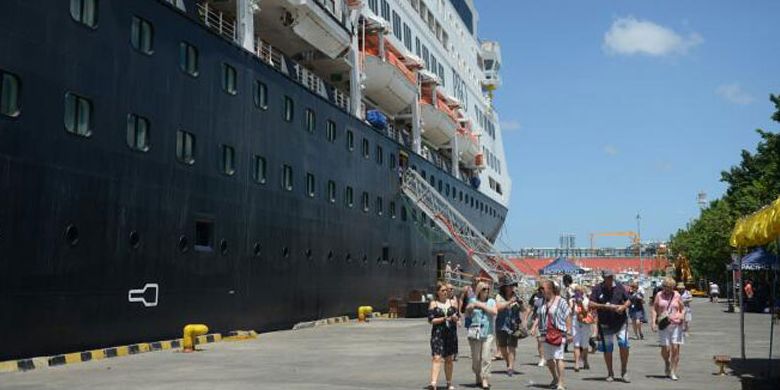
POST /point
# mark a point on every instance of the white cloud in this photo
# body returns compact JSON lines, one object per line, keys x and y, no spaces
{"x":510,"y":125}
{"x":631,"y":36}
{"x":735,"y":94}
{"x":611,"y":150}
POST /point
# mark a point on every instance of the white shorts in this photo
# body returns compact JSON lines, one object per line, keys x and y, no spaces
{"x":673,"y":334}
{"x":581,"y":334}
{"x":553,"y":351}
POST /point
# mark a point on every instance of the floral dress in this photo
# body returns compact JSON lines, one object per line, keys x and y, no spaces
{"x":444,"y":336}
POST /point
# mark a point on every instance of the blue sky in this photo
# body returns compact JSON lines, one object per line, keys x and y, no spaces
{"x":611,"y":108}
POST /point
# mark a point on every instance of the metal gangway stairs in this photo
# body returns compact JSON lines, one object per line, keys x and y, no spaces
{"x":468,"y":238}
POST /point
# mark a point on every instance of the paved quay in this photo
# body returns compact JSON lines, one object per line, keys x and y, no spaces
{"x":394,"y":354}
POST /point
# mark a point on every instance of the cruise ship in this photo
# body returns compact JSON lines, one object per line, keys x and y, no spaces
{"x":236,"y":163}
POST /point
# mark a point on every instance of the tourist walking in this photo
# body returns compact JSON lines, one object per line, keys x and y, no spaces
{"x":636,"y":312}
{"x":554,"y":324}
{"x":714,"y":292}
{"x":482,"y":310}
{"x":667,"y":317}
{"x":443,"y":316}
{"x":611,"y":301}
{"x":582,"y":325}
{"x":536,"y":302}
{"x":508,"y":323}
{"x":686,"y":298}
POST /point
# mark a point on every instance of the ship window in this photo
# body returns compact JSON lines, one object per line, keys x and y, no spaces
{"x":331,"y":191}
{"x":204,"y":235}
{"x":373,"y":4}
{"x":348,"y":197}
{"x":403,"y":213}
{"x":137,"y":132}
{"x":350,"y":140}
{"x":78,"y":115}
{"x":185,"y":147}
{"x":423,"y":174}
{"x":447,"y":189}
{"x":392,"y":210}
{"x":188,"y":59}
{"x":229,"y":79}
{"x":9,"y":94}
{"x":261,"y":95}
{"x":259,"y":169}
{"x":366,"y":151}
{"x":228,"y":160}
{"x":257,"y":249}
{"x":289,"y":109}
{"x":379,"y":155}
{"x":142,"y":35}
{"x":392,"y":160}
{"x":397,"y":26}
{"x":223,"y":247}
{"x":440,"y":186}
{"x":385,"y":10}
{"x":407,"y":37}
{"x":310,"y":185}
{"x":380,"y":209}
{"x":365,"y":202}
{"x":184,"y":244}
{"x":330,"y":130}
{"x":85,"y":12}
{"x":460,"y":195}
{"x":285,"y":252}
{"x":72,"y":234}
{"x":134,"y":239}
{"x":432,"y":180}
{"x":287,"y":178}
{"x":311,"y":120}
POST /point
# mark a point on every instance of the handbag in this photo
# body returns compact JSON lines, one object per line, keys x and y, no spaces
{"x":473,"y":332}
{"x":663,"y":320}
{"x":553,"y":335}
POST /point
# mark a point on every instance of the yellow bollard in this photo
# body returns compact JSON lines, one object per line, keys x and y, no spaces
{"x":192,"y":331}
{"x":364,"y":312}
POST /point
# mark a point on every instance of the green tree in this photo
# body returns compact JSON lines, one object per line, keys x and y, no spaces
{"x":753,"y":183}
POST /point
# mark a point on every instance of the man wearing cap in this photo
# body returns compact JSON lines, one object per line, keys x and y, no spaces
{"x":611,"y":300}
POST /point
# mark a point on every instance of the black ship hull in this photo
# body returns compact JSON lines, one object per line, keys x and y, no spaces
{"x":84,"y":220}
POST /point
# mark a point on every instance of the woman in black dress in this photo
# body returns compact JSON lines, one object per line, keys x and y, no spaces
{"x":443,"y":316}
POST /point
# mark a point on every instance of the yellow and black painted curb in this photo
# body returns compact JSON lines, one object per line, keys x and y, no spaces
{"x":112,"y":352}
{"x":385,"y":315}
{"x":322,"y":322}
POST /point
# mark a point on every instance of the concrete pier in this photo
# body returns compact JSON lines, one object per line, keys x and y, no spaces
{"x":395,"y":354}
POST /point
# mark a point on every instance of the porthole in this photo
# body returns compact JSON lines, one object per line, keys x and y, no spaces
{"x":72,"y":235}
{"x":423,"y":263}
{"x":134,"y":239}
{"x":392,"y":260}
{"x":330,"y":256}
{"x":348,"y":259}
{"x":414,"y":263}
{"x":403,"y":262}
{"x":285,"y":252}
{"x":223,"y":247}
{"x":184,"y":244}
{"x":308,"y":254}
{"x":257,"y":249}
{"x":365,"y":259}
{"x":379,"y":260}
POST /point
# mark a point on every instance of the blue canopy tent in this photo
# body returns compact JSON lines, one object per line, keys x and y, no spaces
{"x":561,"y":266}
{"x":760,"y":260}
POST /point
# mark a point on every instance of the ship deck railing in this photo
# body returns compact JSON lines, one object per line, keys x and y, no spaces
{"x":225,"y":26}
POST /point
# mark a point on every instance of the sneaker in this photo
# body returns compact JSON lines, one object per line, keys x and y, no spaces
{"x":576,"y":369}
{"x":586,"y":366}
{"x":510,"y":372}
{"x":542,"y":363}
{"x":625,"y":378}
{"x":610,"y":379}
{"x":673,"y":376}
{"x":641,"y":337}
{"x":668,"y":370}
{"x":554,"y":384}
{"x":561,"y":387}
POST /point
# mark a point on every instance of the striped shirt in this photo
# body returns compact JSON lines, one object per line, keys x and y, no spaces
{"x":560,"y":312}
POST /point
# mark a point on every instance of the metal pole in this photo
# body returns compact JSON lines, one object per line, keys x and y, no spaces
{"x":639,"y":244}
{"x":771,"y":321}
{"x":741,"y":310}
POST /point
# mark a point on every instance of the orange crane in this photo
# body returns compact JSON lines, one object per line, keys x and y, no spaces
{"x":633,"y":235}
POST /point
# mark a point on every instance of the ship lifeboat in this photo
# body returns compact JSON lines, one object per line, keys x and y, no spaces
{"x":317,"y":26}
{"x":468,"y":144}
{"x":389,"y":82}
{"x":440,"y":121}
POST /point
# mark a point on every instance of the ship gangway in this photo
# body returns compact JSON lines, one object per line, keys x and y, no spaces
{"x":468,"y":238}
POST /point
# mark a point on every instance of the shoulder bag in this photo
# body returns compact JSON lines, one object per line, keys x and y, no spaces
{"x":553,"y":335}
{"x":663,"y":320}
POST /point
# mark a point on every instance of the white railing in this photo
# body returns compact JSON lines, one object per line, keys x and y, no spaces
{"x":217,"y":21}
{"x":226,"y":27}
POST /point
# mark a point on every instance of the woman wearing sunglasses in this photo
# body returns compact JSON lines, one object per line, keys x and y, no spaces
{"x":667,"y":316}
{"x":482,"y":311}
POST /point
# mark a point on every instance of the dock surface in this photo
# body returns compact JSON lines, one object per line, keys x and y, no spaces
{"x":395,"y":354}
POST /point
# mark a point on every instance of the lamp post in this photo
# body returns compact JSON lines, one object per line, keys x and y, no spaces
{"x":639,"y":244}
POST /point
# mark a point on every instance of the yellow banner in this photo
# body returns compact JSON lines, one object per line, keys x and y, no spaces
{"x":759,"y":228}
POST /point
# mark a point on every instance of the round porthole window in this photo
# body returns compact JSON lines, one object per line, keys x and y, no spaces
{"x":348,"y":259}
{"x":308,"y":254}
{"x":365,"y":259}
{"x":285,"y":252}
{"x":184,"y":244}
{"x":134,"y":239}
{"x":223,"y":247}
{"x":72,"y":235}
{"x":257,"y":249}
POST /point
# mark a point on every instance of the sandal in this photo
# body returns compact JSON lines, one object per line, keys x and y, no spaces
{"x":450,"y":386}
